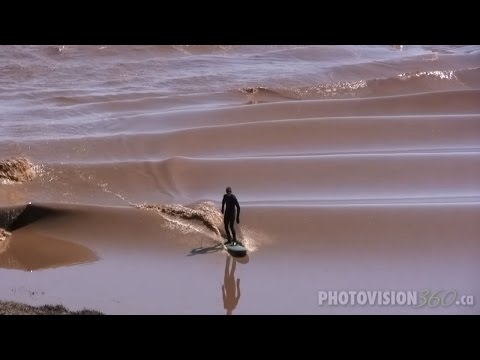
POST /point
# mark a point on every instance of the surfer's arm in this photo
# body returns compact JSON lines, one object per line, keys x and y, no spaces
{"x":238,"y":209}
{"x":223,"y":203}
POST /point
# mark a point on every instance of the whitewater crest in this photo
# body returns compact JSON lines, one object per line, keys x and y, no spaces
{"x":204,"y":212}
{"x":4,"y":235}
{"x":17,"y":170}
{"x":204,"y":218}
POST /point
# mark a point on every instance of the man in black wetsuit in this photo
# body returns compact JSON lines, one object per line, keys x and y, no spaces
{"x":229,"y":214}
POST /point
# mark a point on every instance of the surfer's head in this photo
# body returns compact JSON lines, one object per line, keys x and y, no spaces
{"x":229,"y":190}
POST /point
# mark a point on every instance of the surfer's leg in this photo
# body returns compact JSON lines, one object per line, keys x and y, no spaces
{"x":232,"y":228}
{"x":225,"y":222}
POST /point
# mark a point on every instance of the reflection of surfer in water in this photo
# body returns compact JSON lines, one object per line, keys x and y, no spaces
{"x":230,"y":290}
{"x":231,"y":203}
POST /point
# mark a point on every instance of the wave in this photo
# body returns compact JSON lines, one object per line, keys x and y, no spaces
{"x":361,"y":134}
{"x":138,"y":120}
{"x":179,"y":225}
{"x":294,"y":72}
{"x":402,"y":83}
{"x":277,"y":178}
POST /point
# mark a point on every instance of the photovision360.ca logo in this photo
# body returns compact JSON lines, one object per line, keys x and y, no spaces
{"x":415,"y":298}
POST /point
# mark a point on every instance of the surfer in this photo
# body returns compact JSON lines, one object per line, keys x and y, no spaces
{"x":231,"y":203}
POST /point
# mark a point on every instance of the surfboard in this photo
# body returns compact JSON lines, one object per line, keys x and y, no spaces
{"x":236,"y":250}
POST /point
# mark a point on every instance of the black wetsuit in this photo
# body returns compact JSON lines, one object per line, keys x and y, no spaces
{"x":231,"y":203}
